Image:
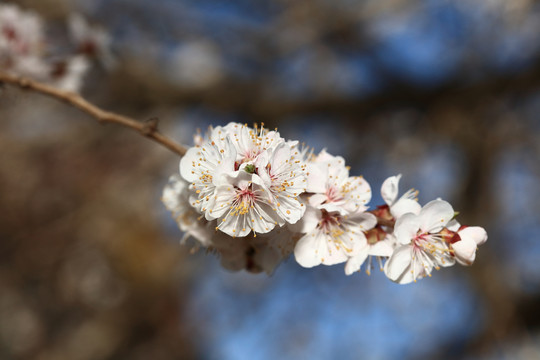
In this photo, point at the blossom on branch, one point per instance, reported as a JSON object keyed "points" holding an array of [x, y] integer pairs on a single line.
{"points": [[408, 202], [334, 227], [465, 240], [176, 199], [379, 244], [22, 45], [334, 239], [249, 180], [333, 188], [254, 198], [91, 41], [25, 51], [421, 246], [380, 240]]}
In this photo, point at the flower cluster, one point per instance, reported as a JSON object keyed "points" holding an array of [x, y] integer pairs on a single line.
{"points": [[24, 50], [239, 189], [255, 198]]}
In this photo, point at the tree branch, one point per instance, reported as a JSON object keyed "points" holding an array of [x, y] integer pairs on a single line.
{"points": [[147, 129]]}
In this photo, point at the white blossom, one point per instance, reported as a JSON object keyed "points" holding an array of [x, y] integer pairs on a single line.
{"points": [[202, 166], [248, 179], [375, 247], [91, 41], [334, 238], [253, 198], [407, 203], [21, 42], [68, 74], [253, 253], [25, 52], [421, 246], [242, 204], [176, 199], [250, 143], [278, 163], [335, 223], [284, 175], [333, 188], [380, 240], [468, 239]]}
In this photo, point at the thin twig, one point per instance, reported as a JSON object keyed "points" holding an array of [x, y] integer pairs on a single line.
{"points": [[147, 129]]}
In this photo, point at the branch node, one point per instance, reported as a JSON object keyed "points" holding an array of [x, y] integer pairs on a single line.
{"points": [[150, 126]]}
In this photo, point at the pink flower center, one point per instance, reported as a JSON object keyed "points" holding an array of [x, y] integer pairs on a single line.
{"points": [[251, 154], [246, 194], [243, 202], [333, 195], [419, 239], [329, 221], [88, 47], [10, 33], [12, 36]]}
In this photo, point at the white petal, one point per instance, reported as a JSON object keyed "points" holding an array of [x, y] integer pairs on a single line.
{"points": [[453, 225], [435, 215], [174, 194], [308, 222], [389, 189], [356, 192], [406, 228], [334, 256], [324, 156], [223, 197], [204, 167], [403, 206], [199, 230], [288, 181], [317, 199], [281, 155], [317, 178], [398, 266], [289, 209], [356, 241], [331, 207], [465, 251], [475, 233], [264, 218], [317, 248], [337, 171], [186, 168], [406, 266], [311, 249], [362, 220], [225, 165], [354, 263], [381, 248], [260, 163], [233, 225]]}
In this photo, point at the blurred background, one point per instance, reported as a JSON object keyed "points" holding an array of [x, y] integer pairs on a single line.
{"points": [[445, 92]]}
